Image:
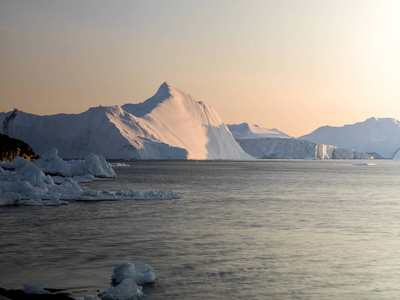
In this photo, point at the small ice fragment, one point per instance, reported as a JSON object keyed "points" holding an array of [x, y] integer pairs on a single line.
{"points": [[35, 288], [127, 289]]}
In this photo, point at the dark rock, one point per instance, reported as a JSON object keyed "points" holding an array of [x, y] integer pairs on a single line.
{"points": [[20, 295], [11, 148]]}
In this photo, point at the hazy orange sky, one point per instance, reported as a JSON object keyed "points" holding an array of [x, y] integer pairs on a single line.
{"points": [[292, 65]]}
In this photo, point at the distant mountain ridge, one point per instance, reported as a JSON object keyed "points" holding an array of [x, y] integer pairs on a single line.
{"points": [[169, 125], [379, 135]]}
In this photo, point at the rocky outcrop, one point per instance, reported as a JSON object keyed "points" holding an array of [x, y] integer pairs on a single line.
{"points": [[10, 148]]}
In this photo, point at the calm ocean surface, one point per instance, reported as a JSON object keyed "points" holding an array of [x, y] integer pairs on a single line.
{"points": [[265, 229]]}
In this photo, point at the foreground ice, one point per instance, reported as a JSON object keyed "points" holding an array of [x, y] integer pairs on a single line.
{"points": [[127, 283], [35, 288], [127, 289], [27, 184], [93, 164], [141, 275]]}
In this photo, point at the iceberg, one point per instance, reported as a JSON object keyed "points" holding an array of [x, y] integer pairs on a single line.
{"points": [[291, 148], [271, 143], [169, 125]]}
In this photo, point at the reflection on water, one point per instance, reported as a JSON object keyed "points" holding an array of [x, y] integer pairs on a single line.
{"points": [[255, 230]]}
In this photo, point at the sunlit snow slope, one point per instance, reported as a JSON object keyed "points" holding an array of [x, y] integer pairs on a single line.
{"points": [[169, 125], [250, 131], [381, 136], [181, 121]]}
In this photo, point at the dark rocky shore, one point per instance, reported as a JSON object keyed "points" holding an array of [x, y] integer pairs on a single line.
{"points": [[10, 148], [20, 295]]}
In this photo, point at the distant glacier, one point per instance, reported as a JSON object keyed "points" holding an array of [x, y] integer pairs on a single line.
{"points": [[272, 143], [375, 135]]}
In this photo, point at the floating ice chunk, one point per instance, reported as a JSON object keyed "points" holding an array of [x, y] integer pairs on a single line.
{"points": [[119, 165], [87, 297], [127, 289], [364, 164], [35, 288], [54, 201], [95, 165], [28, 185], [141, 275], [51, 163], [147, 195], [9, 198], [80, 179], [31, 173]]}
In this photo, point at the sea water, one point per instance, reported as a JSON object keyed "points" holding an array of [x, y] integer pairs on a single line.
{"points": [[265, 229]]}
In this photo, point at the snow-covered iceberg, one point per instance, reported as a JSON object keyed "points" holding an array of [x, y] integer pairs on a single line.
{"points": [[169, 125], [27, 184], [374, 135]]}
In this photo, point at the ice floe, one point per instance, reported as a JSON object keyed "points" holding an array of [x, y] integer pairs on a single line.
{"points": [[27, 183], [367, 164], [127, 281], [119, 165], [93, 164]]}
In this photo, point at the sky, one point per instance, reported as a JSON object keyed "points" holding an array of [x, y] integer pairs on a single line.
{"points": [[292, 65]]}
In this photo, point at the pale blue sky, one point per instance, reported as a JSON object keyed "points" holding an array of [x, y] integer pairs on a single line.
{"points": [[293, 65]]}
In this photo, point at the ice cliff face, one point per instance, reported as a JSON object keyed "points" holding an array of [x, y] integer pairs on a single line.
{"points": [[169, 125], [272, 143], [291, 148], [381, 136]]}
